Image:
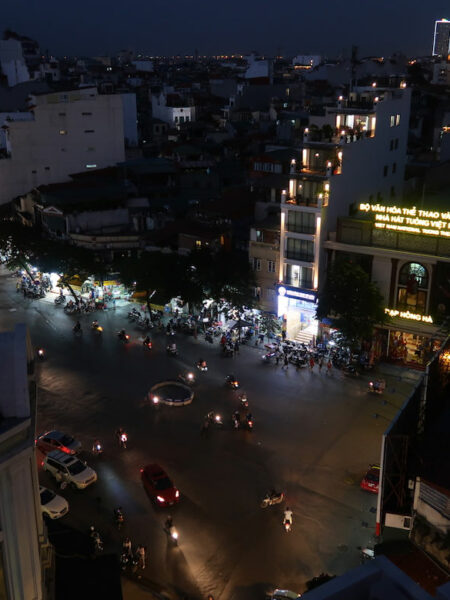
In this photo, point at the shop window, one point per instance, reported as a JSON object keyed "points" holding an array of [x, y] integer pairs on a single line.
{"points": [[412, 288]]}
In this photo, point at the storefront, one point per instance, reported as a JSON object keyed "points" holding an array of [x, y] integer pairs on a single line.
{"points": [[409, 339], [297, 308]]}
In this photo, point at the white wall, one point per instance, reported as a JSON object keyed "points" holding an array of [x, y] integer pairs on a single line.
{"points": [[62, 140], [12, 63], [130, 129]]}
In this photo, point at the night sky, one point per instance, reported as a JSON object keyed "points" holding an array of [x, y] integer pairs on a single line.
{"points": [[328, 27]]}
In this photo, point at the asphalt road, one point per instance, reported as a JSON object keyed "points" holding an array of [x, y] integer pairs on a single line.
{"points": [[314, 437]]}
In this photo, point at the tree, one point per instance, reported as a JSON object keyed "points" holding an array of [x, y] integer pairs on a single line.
{"points": [[270, 325], [353, 301], [19, 245]]}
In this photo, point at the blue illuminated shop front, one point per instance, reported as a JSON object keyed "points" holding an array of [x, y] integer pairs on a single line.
{"points": [[297, 307]]}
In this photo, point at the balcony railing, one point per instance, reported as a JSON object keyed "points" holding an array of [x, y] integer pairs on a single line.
{"points": [[295, 228], [301, 256], [300, 283], [302, 201]]}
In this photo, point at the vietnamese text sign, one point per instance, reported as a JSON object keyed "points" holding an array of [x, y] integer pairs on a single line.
{"points": [[409, 220]]}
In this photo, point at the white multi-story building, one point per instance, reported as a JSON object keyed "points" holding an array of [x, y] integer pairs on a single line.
{"points": [[358, 155], [25, 555], [68, 132], [171, 109]]}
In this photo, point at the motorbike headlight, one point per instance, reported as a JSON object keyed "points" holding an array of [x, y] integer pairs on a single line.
{"points": [[160, 498], [177, 494]]}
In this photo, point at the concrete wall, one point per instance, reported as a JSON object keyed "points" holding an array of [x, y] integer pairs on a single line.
{"points": [[62, 140], [130, 130]]}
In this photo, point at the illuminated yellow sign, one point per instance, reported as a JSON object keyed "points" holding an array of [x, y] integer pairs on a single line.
{"points": [[392, 312], [409, 220]]}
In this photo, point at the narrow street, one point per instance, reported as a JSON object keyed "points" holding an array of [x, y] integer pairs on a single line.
{"points": [[314, 437]]}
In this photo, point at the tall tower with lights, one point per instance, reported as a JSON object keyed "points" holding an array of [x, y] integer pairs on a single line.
{"points": [[441, 38]]}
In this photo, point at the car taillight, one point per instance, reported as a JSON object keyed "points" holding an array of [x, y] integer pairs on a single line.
{"points": [[160, 498], [142, 470]]}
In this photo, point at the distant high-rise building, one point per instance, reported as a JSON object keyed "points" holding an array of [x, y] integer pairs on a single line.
{"points": [[441, 38]]}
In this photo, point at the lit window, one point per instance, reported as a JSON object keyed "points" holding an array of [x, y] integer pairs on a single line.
{"points": [[392, 121], [91, 166], [198, 243], [63, 132], [397, 120]]}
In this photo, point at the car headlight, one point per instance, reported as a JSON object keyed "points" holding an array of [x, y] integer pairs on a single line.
{"points": [[160, 498], [177, 494]]}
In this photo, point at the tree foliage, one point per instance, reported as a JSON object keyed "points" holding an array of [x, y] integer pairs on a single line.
{"points": [[352, 300]]}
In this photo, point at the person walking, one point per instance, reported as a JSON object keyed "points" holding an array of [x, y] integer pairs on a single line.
{"points": [[285, 362], [320, 363], [236, 347], [329, 365], [126, 547], [311, 364], [283, 335], [277, 357], [140, 555]]}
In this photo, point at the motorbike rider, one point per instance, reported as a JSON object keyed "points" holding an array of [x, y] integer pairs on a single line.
{"points": [[96, 447], [77, 326], [287, 516], [118, 515], [236, 419], [121, 437], [201, 364], [122, 334], [95, 324], [147, 341]]}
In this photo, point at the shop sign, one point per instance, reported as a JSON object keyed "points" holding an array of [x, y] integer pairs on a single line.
{"points": [[408, 315], [290, 293], [409, 220]]}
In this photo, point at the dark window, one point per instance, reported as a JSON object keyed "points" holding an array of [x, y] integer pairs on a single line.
{"points": [[396, 143], [86, 114], [62, 114], [88, 131], [392, 191], [34, 172], [391, 146], [301, 222], [394, 168], [385, 171], [47, 168], [371, 198], [300, 249]]}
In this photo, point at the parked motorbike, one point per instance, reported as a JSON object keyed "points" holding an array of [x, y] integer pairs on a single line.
{"points": [[60, 300], [272, 498]]}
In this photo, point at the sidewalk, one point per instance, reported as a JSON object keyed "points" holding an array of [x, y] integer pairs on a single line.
{"points": [[141, 590]]}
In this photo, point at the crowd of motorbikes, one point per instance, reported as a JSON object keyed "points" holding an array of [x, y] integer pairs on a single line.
{"points": [[33, 288]]}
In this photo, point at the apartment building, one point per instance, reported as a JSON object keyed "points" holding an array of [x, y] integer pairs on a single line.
{"points": [[65, 132], [264, 254], [25, 554], [355, 152], [172, 108]]}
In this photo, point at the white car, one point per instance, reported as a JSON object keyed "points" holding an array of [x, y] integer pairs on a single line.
{"points": [[52, 505], [284, 595], [68, 469]]}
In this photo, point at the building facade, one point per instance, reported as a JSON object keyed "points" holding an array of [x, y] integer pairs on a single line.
{"points": [[264, 254], [406, 251], [69, 132], [25, 554], [358, 154]]}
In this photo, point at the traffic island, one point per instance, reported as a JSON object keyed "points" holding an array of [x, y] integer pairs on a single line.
{"points": [[172, 393]]}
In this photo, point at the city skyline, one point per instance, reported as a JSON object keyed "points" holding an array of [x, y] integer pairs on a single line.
{"points": [[215, 28]]}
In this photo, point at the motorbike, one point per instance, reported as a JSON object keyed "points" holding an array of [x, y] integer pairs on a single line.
{"points": [[77, 330], [248, 423], [169, 528], [232, 382], [188, 378], [97, 328], [287, 520], [228, 351], [202, 366], [147, 344], [236, 419], [350, 370], [156, 401], [134, 314], [268, 357], [172, 350], [60, 300], [96, 539], [215, 419], [124, 337], [209, 338], [122, 439], [243, 401], [270, 499], [377, 386], [97, 448], [119, 518], [41, 353]]}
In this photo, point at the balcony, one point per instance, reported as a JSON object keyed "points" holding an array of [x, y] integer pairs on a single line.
{"points": [[305, 284], [300, 200], [300, 256], [294, 228]]}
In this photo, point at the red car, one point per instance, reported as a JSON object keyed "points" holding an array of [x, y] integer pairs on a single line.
{"points": [[371, 480], [158, 485], [56, 440]]}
